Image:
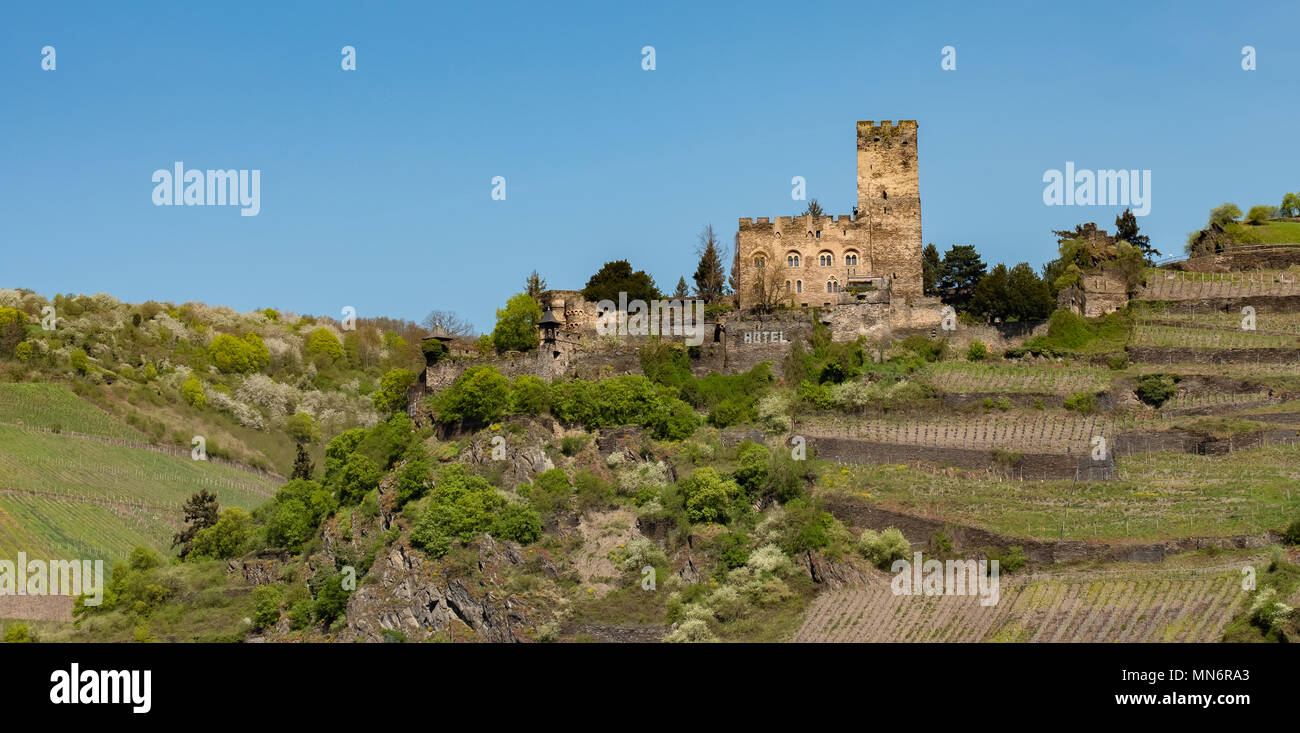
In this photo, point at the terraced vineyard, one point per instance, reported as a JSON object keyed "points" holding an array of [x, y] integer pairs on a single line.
{"points": [[1044, 431], [55, 407], [1147, 334], [959, 377], [79, 497], [1128, 606], [1177, 285]]}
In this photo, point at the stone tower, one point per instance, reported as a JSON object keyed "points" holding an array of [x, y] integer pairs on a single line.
{"points": [[889, 199], [824, 261]]}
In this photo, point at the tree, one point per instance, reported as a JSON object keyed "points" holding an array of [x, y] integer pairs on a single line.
{"points": [[989, 299], [681, 292], [192, 392], [13, 329], [301, 427], [1126, 229], [959, 273], [1259, 215], [449, 322], [302, 465], [391, 395], [201, 511], [232, 354], [1032, 298], [930, 264], [1290, 205], [225, 539], [710, 281], [534, 285], [321, 343], [479, 394], [1225, 214], [733, 279], [516, 328], [617, 277], [814, 208]]}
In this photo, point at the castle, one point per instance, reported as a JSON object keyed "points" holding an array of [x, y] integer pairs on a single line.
{"points": [[821, 261]]}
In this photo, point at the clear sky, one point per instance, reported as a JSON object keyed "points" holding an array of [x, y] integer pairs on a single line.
{"points": [[376, 183]]}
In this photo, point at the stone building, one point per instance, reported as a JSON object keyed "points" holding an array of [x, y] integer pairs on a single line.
{"points": [[821, 261]]}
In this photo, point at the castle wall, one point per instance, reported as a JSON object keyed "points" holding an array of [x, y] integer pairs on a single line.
{"points": [[884, 239]]}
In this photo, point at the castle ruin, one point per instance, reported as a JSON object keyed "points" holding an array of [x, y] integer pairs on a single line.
{"points": [[823, 261]]}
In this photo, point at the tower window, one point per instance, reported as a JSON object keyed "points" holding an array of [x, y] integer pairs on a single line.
{"points": [[826, 259], [792, 260], [819, 234], [798, 286], [851, 259], [759, 262]]}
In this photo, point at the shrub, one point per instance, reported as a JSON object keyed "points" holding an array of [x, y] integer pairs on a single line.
{"points": [[391, 395], [18, 633], [929, 350], [1156, 389], [79, 361], [481, 394], [235, 355], [727, 413], [412, 481], [1084, 402], [752, 473], [977, 351], [884, 548], [572, 445], [300, 614], [518, 523], [301, 428], [1259, 214], [1292, 533], [358, 476], [323, 344], [266, 606], [529, 395], [707, 496], [24, 351], [192, 392], [223, 540], [1225, 214], [461, 506], [1117, 362], [1010, 560]]}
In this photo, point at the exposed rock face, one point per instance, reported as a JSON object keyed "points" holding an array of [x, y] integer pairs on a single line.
{"points": [[824, 571], [409, 598], [260, 570], [524, 457]]}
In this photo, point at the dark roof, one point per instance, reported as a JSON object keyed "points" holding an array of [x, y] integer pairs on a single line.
{"points": [[549, 319], [440, 333]]}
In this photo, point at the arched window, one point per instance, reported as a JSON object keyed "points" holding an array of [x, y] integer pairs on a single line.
{"points": [[760, 261], [825, 259], [787, 286], [851, 259], [792, 259], [798, 286], [832, 286]]}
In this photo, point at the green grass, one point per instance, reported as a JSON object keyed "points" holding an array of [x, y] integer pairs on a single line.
{"points": [[1273, 232], [65, 495], [1156, 496], [55, 407]]}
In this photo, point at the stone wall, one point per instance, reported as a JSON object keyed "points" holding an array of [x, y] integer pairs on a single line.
{"points": [[1095, 295]]}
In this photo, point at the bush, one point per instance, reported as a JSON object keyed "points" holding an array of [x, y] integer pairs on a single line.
{"points": [[1117, 362], [1225, 214], [358, 476], [18, 633], [461, 506], [572, 445], [323, 344], [223, 540], [266, 606], [707, 496], [977, 351], [884, 548], [1084, 402], [481, 395], [529, 396], [391, 395], [300, 614], [412, 481], [1156, 389], [1292, 534], [240, 356], [1260, 214], [1009, 561], [192, 392], [518, 523], [925, 348]]}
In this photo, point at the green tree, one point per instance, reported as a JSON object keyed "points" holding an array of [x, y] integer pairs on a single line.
{"points": [[301, 427], [707, 496], [1126, 229], [360, 474], [1225, 214], [1259, 214], [266, 606], [480, 394], [617, 277], [223, 540], [321, 344], [391, 395], [959, 273], [681, 292], [1290, 205], [930, 266], [516, 328], [79, 361], [1030, 297], [201, 511], [13, 329], [534, 286], [302, 465], [192, 392], [231, 354], [710, 280], [989, 301]]}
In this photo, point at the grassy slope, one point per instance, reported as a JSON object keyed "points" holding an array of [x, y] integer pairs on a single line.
{"points": [[64, 496]]}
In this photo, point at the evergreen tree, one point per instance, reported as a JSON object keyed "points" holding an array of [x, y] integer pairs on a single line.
{"points": [[681, 292], [1126, 229], [201, 512], [710, 280], [1029, 296], [814, 208], [616, 277], [534, 285], [302, 465], [959, 273], [930, 264]]}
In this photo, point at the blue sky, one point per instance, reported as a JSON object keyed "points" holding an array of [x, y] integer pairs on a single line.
{"points": [[376, 183]]}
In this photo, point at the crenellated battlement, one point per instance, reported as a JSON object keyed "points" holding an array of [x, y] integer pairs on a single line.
{"points": [[792, 223]]}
